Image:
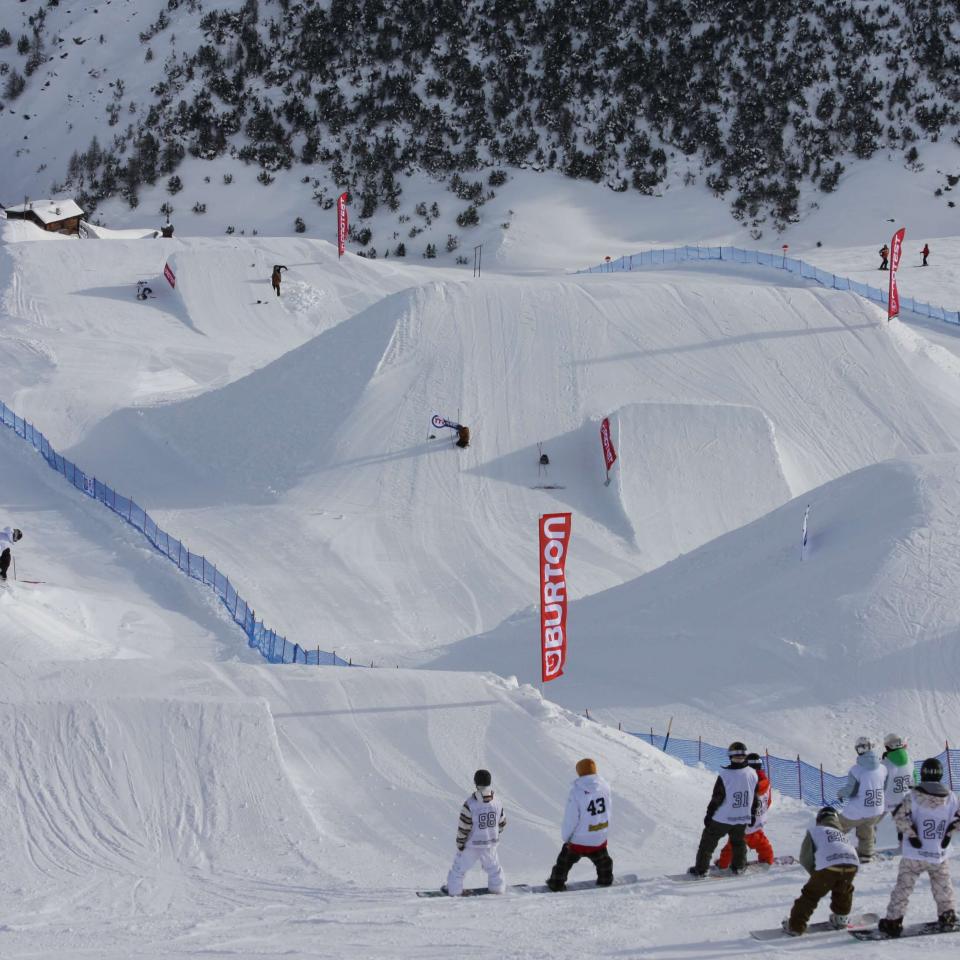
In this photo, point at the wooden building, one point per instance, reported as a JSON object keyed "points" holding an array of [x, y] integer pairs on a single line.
{"points": [[57, 216]]}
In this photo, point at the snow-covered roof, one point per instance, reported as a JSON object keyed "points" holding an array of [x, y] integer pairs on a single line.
{"points": [[49, 211]]}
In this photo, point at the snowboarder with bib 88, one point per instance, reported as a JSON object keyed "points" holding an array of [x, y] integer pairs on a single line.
{"points": [[733, 807], [8, 537], [481, 822], [832, 863], [754, 836], [901, 775], [928, 818], [864, 796], [586, 821]]}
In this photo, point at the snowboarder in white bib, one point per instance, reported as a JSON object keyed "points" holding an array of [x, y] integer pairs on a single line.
{"points": [[8, 537], [481, 822], [733, 807], [928, 818], [586, 821], [832, 863], [901, 775], [864, 798]]}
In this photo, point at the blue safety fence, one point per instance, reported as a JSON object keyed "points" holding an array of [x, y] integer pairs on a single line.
{"points": [[793, 778], [272, 646], [652, 258]]}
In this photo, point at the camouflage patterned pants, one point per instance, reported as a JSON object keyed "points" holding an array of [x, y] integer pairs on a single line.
{"points": [[910, 871]]}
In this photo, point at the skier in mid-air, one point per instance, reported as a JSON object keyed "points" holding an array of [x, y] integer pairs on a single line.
{"points": [[733, 807], [481, 822]]}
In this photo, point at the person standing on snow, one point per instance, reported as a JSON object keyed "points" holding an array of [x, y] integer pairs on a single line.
{"points": [[275, 277], [832, 863], [884, 257], [901, 775], [754, 836], [733, 807], [8, 537], [925, 252], [928, 818], [864, 796], [481, 822], [586, 821]]}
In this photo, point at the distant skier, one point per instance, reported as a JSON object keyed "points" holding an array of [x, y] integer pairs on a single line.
{"points": [[754, 836], [928, 818], [275, 277], [733, 807], [481, 822], [925, 252], [832, 863], [586, 821], [864, 798], [900, 772], [463, 436], [8, 537], [884, 257]]}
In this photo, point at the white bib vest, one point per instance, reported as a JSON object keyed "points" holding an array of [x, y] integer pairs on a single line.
{"points": [[762, 810], [486, 821], [869, 801], [899, 782], [832, 848], [739, 787], [931, 825]]}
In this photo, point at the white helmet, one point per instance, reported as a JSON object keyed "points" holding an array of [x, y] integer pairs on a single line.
{"points": [[863, 745], [893, 741]]}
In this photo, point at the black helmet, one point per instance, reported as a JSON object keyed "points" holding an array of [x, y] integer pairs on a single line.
{"points": [[737, 749], [827, 814], [931, 770], [17, 534], [754, 760], [482, 778]]}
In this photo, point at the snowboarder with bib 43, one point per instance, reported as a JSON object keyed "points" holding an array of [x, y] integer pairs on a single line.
{"points": [[481, 822], [928, 818], [864, 796], [733, 807], [832, 863], [586, 821], [8, 537], [754, 836]]}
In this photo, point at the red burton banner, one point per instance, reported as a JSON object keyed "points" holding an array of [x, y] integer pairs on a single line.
{"points": [[341, 224], [893, 296], [609, 453], [554, 540], [169, 274]]}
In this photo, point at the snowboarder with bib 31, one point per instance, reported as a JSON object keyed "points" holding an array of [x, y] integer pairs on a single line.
{"points": [[481, 822], [8, 537], [733, 807], [832, 863], [864, 796], [900, 772], [754, 836], [586, 821], [928, 818]]}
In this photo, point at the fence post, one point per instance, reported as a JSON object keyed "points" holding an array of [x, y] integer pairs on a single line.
{"points": [[651, 736], [949, 764], [799, 777], [203, 569], [318, 658], [283, 652], [699, 749], [823, 799]]}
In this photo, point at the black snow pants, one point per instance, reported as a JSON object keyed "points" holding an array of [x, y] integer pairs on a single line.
{"points": [[600, 857], [4, 562]]}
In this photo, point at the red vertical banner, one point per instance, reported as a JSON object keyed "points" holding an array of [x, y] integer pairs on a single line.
{"points": [[170, 275], [893, 296], [609, 453], [341, 224], [554, 542]]}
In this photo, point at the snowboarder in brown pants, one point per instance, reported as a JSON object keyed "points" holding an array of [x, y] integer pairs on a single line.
{"points": [[275, 277]]}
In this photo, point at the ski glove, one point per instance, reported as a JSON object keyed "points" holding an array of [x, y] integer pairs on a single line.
{"points": [[706, 820], [945, 842], [915, 842], [460, 846]]}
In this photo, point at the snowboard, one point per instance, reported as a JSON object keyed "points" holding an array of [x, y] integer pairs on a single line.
{"points": [[715, 873], [856, 921], [620, 881], [913, 930]]}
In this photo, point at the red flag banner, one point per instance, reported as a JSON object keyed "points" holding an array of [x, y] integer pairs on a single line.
{"points": [[554, 541], [893, 296], [609, 453], [170, 275], [341, 224]]}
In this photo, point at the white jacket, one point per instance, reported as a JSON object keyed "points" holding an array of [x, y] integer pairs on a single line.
{"points": [[587, 817], [6, 539]]}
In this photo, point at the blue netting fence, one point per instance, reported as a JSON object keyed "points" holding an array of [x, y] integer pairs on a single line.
{"points": [[275, 648], [650, 258], [791, 777]]}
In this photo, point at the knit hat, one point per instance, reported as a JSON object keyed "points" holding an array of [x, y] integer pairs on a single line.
{"points": [[482, 778], [586, 767]]}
